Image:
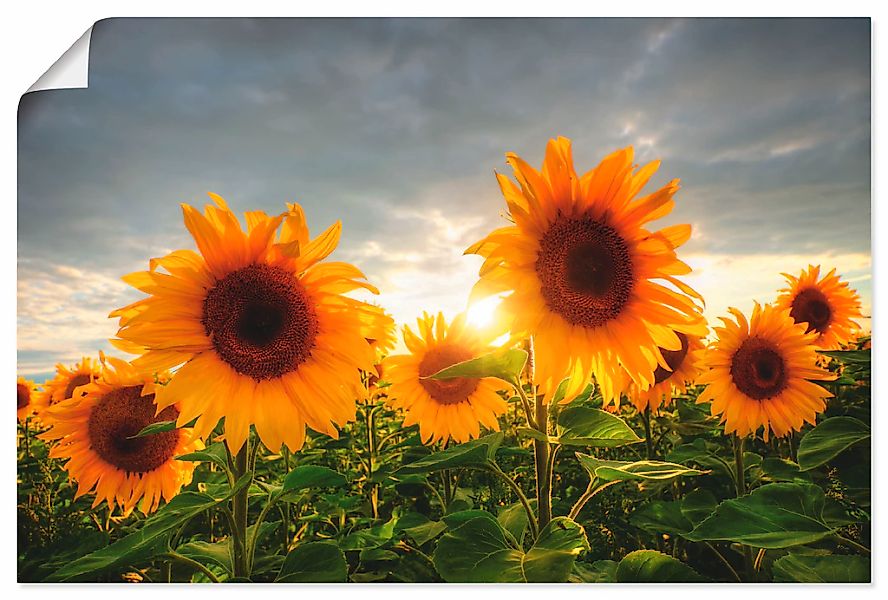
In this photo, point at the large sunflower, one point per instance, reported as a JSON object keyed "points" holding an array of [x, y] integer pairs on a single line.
{"points": [[262, 326], [760, 371], [685, 364], [25, 403], [63, 386], [580, 270], [95, 433], [444, 408], [827, 306]]}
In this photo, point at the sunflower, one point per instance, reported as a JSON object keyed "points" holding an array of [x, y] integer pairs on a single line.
{"points": [[580, 268], [26, 394], [63, 386], [95, 432], [760, 371], [444, 408], [684, 364], [262, 326], [827, 306]]}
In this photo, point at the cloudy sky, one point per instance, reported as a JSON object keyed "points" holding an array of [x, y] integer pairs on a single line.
{"points": [[396, 127]]}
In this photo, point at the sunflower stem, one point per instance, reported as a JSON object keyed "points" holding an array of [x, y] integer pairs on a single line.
{"points": [[531, 519], [740, 483], [371, 451], [541, 450], [648, 442], [240, 506], [285, 510]]}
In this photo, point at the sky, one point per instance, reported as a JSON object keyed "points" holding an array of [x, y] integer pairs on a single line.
{"points": [[396, 127]]}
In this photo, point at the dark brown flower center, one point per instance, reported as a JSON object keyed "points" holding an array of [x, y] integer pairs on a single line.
{"points": [[812, 307], [76, 382], [758, 369], [261, 321], [446, 391], [23, 395], [673, 358], [121, 414], [585, 271]]}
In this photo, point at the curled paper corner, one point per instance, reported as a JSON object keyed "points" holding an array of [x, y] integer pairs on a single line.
{"points": [[71, 70]]}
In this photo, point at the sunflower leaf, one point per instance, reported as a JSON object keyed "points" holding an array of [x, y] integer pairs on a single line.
{"points": [[215, 453], [477, 549], [829, 439], [616, 470], [478, 453], [502, 364], [314, 562], [160, 427], [777, 515], [584, 426], [650, 566], [151, 539], [795, 568], [312, 476]]}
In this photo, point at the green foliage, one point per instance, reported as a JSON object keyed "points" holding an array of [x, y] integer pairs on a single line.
{"points": [[797, 568], [829, 439], [777, 515], [476, 549], [585, 426], [650, 566], [314, 562], [502, 364]]}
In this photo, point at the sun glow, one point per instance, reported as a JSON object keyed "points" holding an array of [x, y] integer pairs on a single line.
{"points": [[481, 314]]}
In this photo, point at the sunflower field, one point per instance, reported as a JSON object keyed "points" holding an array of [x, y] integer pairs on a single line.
{"points": [[272, 427]]}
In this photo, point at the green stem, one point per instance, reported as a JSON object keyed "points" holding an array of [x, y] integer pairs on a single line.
{"points": [[591, 490], [371, 451], [448, 492], [541, 450], [193, 564], [852, 544], [531, 519], [648, 442], [724, 562], [239, 511], [285, 511], [740, 484]]}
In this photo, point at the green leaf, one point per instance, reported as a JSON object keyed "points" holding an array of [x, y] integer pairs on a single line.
{"points": [[215, 453], [660, 517], [503, 364], [781, 469], [777, 515], [601, 571], [160, 427], [698, 505], [479, 452], [373, 537], [218, 553], [702, 453], [797, 568], [513, 518], [616, 470], [584, 426], [314, 562], [849, 357], [829, 439], [478, 550], [312, 476], [151, 539], [650, 566]]}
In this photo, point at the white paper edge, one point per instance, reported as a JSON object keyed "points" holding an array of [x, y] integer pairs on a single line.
{"points": [[71, 70]]}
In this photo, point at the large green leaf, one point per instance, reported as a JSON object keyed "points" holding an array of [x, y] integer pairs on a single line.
{"points": [[214, 453], [312, 476], [660, 517], [478, 550], [797, 568], [829, 439], [372, 537], [698, 505], [616, 470], [585, 426], [849, 357], [314, 562], [703, 453], [478, 452], [513, 518], [601, 571], [160, 427], [151, 539], [503, 364], [650, 566], [777, 515], [218, 553]]}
